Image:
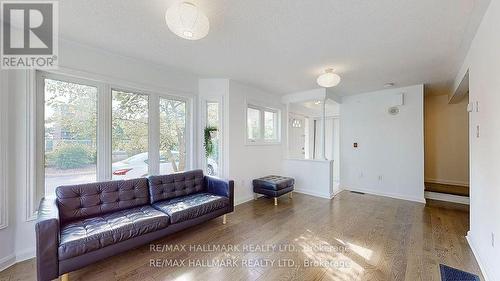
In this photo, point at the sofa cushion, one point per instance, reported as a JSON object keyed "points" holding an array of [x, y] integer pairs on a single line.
{"points": [[86, 235], [93, 199], [175, 185], [191, 206]]}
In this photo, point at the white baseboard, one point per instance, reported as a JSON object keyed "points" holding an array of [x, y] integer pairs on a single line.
{"points": [[450, 182], [12, 259], [7, 261], [447, 197], [315, 194], [339, 190], [25, 255], [390, 195], [242, 200], [298, 190], [482, 266]]}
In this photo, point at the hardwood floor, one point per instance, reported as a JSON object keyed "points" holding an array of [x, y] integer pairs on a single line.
{"points": [[363, 237]]}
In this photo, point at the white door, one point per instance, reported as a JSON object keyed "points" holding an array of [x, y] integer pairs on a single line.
{"points": [[297, 137]]}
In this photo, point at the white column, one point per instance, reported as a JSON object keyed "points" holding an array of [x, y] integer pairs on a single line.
{"points": [[323, 130]]}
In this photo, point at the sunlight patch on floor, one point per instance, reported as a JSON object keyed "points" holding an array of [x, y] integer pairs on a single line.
{"points": [[361, 251], [334, 258], [188, 276]]}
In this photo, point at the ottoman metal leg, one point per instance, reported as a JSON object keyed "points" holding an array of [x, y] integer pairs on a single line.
{"points": [[255, 196], [224, 220], [290, 195], [275, 201], [65, 277]]}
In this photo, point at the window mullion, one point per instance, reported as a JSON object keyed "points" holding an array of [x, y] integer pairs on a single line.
{"points": [[35, 149], [262, 125], [104, 136], [189, 133], [154, 135]]}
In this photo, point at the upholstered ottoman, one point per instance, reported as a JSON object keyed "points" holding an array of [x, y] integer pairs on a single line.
{"points": [[273, 186]]}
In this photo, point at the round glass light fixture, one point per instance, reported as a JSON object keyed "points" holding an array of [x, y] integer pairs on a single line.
{"points": [[186, 20], [328, 79]]}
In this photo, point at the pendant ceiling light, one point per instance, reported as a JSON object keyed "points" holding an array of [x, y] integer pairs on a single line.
{"points": [[186, 20], [328, 79]]}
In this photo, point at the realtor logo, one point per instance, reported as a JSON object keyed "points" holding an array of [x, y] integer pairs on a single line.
{"points": [[29, 34]]}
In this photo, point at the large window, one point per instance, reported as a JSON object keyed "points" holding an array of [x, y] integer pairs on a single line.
{"points": [[88, 131], [262, 125], [130, 135], [253, 124], [271, 125], [70, 134], [172, 136]]}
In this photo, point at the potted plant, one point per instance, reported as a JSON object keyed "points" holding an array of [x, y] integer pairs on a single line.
{"points": [[208, 144]]}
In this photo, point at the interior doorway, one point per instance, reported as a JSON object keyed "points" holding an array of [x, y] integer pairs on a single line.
{"points": [[447, 145]]}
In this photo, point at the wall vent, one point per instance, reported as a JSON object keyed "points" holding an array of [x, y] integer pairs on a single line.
{"points": [[357, 192]]}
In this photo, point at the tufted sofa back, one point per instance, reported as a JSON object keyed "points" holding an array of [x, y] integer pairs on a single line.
{"points": [[175, 185], [93, 199]]}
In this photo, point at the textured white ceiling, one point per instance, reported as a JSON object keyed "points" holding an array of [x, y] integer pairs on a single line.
{"points": [[282, 45]]}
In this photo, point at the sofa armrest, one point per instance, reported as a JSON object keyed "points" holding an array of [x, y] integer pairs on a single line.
{"points": [[47, 239], [222, 188]]}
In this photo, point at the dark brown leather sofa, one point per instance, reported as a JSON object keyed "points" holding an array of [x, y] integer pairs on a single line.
{"points": [[86, 223]]}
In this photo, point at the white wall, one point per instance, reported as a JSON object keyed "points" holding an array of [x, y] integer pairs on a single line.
{"points": [[81, 61], [7, 232], [243, 162], [114, 67], [483, 62], [249, 161], [390, 147], [313, 177]]}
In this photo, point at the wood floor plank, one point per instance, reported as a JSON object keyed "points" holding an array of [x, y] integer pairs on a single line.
{"points": [[352, 237]]}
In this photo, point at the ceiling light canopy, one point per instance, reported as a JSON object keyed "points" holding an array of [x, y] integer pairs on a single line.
{"points": [[186, 20], [328, 79]]}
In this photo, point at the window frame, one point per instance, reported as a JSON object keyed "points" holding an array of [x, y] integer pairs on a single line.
{"points": [[220, 129], [189, 129], [39, 104], [277, 123], [36, 101], [223, 123], [151, 155]]}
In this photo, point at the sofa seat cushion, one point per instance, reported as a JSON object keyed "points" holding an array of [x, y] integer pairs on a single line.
{"points": [[90, 234], [191, 206]]}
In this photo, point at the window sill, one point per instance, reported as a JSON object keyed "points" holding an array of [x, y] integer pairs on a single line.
{"points": [[308, 160], [261, 143]]}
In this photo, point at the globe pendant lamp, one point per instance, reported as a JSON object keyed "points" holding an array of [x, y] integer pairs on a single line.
{"points": [[328, 79], [187, 21]]}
